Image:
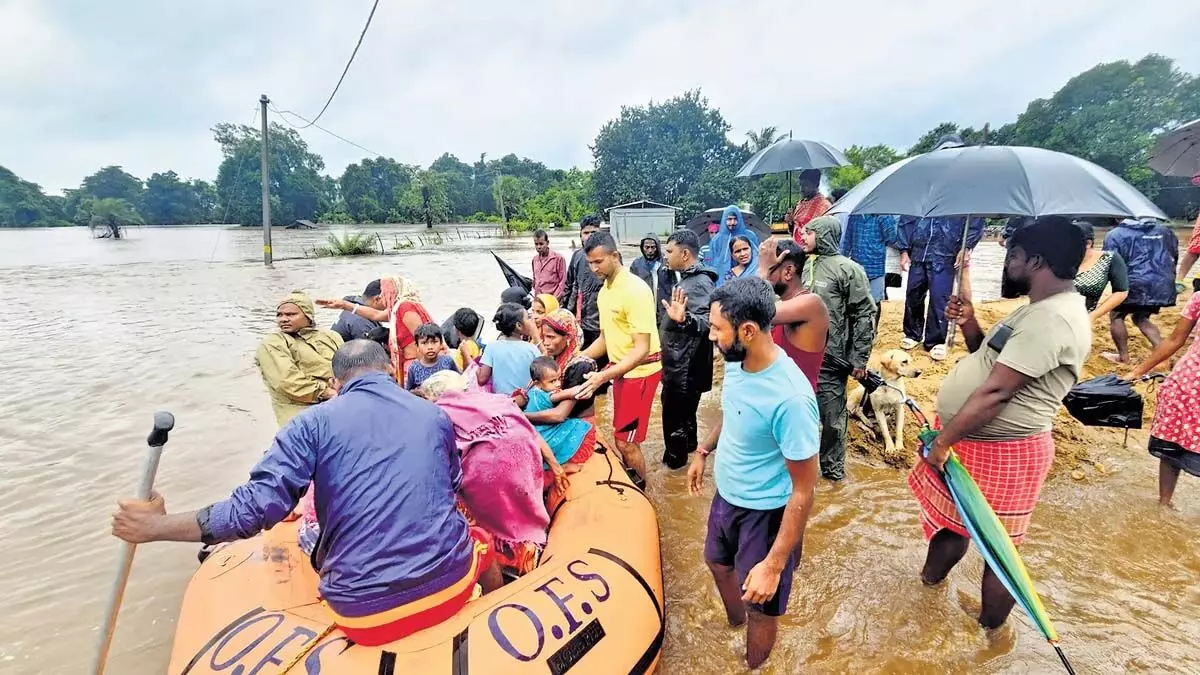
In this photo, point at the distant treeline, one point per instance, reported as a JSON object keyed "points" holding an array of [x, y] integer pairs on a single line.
{"points": [[676, 152]]}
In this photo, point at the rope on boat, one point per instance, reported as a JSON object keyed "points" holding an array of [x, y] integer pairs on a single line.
{"points": [[308, 648]]}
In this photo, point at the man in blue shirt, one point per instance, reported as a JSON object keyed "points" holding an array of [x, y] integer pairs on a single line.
{"points": [[385, 468], [766, 465]]}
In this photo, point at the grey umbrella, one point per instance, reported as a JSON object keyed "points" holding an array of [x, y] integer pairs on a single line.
{"points": [[1178, 153], [996, 180], [792, 155]]}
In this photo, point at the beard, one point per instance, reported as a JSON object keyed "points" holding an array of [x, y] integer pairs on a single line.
{"points": [[736, 352], [1013, 288], [780, 288]]}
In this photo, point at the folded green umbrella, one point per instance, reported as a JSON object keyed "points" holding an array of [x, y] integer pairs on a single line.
{"points": [[991, 538]]}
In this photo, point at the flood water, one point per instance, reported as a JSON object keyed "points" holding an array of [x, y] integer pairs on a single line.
{"points": [[99, 334]]}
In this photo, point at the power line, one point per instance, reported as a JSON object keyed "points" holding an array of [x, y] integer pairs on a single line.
{"points": [[362, 35], [319, 127]]}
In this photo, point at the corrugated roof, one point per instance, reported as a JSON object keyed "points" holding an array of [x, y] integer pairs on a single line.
{"points": [[642, 204]]}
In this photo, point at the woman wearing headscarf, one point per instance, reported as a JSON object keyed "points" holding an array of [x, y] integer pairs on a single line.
{"points": [[743, 258], [392, 301], [501, 489], [295, 362], [560, 341], [543, 304], [720, 258]]}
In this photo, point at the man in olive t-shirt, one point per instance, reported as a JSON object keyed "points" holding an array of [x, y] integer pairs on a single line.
{"points": [[997, 405], [1049, 341]]}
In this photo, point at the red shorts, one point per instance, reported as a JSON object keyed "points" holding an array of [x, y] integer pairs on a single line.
{"points": [[400, 622], [632, 399]]}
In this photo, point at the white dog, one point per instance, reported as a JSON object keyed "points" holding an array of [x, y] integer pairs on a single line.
{"points": [[894, 367]]}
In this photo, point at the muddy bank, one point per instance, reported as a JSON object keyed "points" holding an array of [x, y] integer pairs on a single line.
{"points": [[1081, 451]]}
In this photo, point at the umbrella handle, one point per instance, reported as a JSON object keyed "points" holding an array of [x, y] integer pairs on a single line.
{"points": [[962, 267]]}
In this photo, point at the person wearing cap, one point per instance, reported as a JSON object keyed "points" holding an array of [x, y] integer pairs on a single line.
{"points": [[931, 251], [812, 203], [295, 361]]}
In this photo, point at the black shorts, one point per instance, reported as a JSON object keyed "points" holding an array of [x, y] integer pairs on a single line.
{"points": [[1138, 311], [741, 538]]}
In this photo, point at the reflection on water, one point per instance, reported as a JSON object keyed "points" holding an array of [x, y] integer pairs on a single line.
{"points": [[99, 334]]}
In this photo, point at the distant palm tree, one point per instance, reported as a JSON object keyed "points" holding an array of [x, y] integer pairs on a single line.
{"points": [[763, 138]]}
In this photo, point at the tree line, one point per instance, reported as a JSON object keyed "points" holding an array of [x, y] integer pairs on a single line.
{"points": [[677, 152]]}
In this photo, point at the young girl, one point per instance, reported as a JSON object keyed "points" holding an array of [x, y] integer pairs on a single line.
{"points": [[505, 362], [573, 440], [1175, 436]]}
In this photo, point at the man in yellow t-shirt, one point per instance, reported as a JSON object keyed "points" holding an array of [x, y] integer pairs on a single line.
{"points": [[629, 337]]}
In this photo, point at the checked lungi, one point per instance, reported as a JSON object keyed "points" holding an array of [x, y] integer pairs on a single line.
{"points": [[1009, 473]]}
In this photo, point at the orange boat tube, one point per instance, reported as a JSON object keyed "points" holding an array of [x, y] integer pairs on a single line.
{"points": [[594, 605]]}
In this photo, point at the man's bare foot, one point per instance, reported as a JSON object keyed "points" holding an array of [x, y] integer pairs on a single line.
{"points": [[1114, 357]]}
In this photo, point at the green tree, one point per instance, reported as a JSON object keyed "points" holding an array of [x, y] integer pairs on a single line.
{"points": [[170, 201], [567, 200], [513, 192], [23, 204], [298, 190], [1111, 114], [424, 200], [660, 150], [108, 216], [460, 184], [112, 182], [369, 188], [864, 161]]}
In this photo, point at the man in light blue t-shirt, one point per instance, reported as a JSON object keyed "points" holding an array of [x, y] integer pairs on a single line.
{"points": [[766, 464]]}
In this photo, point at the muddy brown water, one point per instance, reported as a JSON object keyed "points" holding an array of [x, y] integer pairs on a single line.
{"points": [[99, 334]]}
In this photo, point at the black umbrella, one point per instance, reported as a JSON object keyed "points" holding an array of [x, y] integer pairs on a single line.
{"points": [[514, 278], [995, 180], [1177, 153], [792, 155], [700, 224]]}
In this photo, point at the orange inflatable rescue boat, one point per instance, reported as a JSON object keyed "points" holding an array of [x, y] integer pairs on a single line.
{"points": [[594, 605]]}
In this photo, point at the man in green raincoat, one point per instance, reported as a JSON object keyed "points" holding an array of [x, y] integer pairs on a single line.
{"points": [[295, 362], [843, 285]]}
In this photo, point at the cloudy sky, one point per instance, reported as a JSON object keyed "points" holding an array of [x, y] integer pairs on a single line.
{"points": [[140, 83]]}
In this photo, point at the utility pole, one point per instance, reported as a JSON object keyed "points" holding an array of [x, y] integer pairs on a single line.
{"points": [[266, 186], [500, 196]]}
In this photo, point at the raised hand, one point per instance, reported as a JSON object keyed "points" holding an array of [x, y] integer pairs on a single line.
{"points": [[677, 307]]}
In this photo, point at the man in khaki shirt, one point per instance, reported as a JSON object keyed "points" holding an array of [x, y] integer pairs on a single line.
{"points": [[997, 404]]}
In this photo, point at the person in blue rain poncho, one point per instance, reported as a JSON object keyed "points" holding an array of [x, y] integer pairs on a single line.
{"points": [[719, 258]]}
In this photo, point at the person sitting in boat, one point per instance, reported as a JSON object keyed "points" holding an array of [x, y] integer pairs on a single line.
{"points": [[395, 556], [502, 457], [294, 362], [505, 362], [572, 440], [560, 341], [393, 302]]}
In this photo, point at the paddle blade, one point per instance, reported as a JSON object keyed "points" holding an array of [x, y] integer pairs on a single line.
{"points": [[994, 544]]}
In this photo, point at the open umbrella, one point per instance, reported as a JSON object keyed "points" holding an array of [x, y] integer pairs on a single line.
{"points": [[1177, 153], [514, 278], [700, 224], [788, 155], [995, 180], [991, 538], [792, 155]]}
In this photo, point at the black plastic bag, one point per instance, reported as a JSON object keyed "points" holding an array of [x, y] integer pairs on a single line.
{"points": [[1105, 401]]}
